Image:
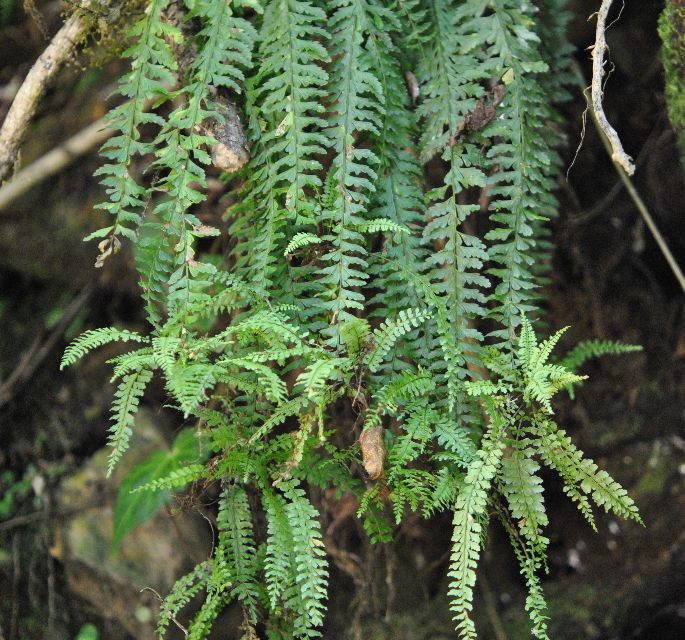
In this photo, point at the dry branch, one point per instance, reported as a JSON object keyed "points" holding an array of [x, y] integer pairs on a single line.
{"points": [[630, 187], [54, 161], [43, 72], [618, 154]]}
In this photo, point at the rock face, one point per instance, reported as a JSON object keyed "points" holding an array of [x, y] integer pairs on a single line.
{"points": [[153, 555]]}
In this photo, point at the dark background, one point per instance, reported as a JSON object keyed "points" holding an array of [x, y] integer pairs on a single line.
{"points": [[609, 282]]}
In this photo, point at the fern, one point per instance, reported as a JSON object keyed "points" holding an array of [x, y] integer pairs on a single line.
{"points": [[175, 478], [183, 591], [309, 562], [234, 563], [468, 528], [522, 487], [124, 407], [314, 379], [455, 269], [397, 202], [289, 88], [521, 158], [389, 332], [278, 572], [556, 447], [152, 73], [587, 349], [358, 97], [300, 240], [357, 292], [180, 157], [94, 338]]}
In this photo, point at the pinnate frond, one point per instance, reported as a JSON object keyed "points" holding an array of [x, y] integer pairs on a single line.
{"points": [[94, 338]]}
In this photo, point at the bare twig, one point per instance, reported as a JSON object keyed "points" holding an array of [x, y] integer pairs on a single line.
{"points": [[634, 195], [40, 349], [601, 205], [618, 155], [54, 161], [43, 72]]}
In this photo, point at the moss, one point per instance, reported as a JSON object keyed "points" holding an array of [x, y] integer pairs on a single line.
{"points": [[672, 33]]}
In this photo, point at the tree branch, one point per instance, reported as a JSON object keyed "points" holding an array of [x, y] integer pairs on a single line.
{"points": [[618, 155], [25, 104], [55, 161]]}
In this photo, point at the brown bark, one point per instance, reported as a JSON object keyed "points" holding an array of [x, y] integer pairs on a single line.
{"points": [[43, 72]]}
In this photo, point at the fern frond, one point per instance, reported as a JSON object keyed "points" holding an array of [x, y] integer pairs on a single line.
{"points": [[94, 338], [300, 240], [413, 488], [287, 95], [235, 564], [278, 569], [557, 449], [528, 344], [455, 270], [398, 198], [522, 488], [270, 326], [155, 263], [587, 349], [124, 407], [355, 335], [271, 385], [454, 439], [152, 73], [189, 382], [280, 414], [183, 591], [545, 349], [291, 79], [468, 529], [404, 387], [357, 96], [417, 432], [132, 361], [176, 478], [313, 380], [521, 161], [536, 605], [309, 560], [204, 619], [383, 225], [544, 382], [390, 331], [220, 62], [541, 381]]}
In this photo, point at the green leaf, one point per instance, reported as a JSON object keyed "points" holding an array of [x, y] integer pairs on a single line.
{"points": [[133, 508]]}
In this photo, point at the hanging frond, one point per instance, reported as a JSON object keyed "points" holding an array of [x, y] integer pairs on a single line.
{"points": [[151, 76], [468, 530], [309, 561], [124, 407]]}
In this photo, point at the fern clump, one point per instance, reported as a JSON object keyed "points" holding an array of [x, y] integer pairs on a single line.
{"points": [[367, 330]]}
